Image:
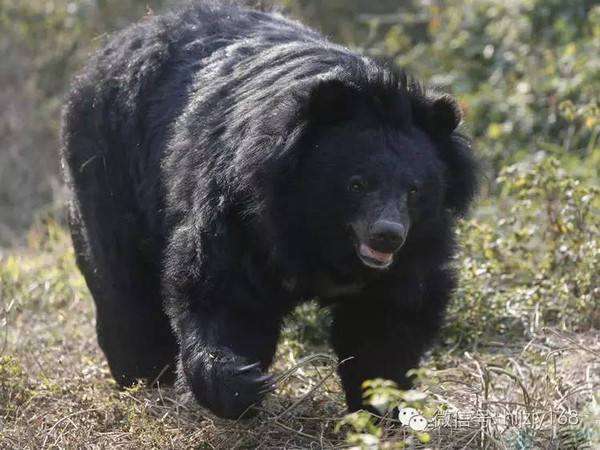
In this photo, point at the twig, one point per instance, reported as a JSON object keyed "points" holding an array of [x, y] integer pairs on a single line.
{"points": [[78, 413], [161, 373], [572, 341], [515, 378], [285, 374], [305, 396], [300, 433]]}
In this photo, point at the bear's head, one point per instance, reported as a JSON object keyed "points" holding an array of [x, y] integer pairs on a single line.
{"points": [[370, 189], [369, 169], [376, 171]]}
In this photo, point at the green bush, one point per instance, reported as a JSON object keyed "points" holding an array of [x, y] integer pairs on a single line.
{"points": [[532, 256], [527, 72]]}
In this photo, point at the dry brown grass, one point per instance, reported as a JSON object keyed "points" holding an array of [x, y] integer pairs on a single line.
{"points": [[56, 392]]}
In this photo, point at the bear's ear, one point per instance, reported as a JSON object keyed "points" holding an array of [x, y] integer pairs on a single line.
{"points": [[331, 102], [444, 116]]}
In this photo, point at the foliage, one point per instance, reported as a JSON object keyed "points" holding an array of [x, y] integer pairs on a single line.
{"points": [[536, 264], [13, 386], [366, 430], [526, 72], [341, 18], [42, 44]]}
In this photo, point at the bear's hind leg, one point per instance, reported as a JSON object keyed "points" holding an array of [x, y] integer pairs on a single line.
{"points": [[133, 331], [137, 342]]}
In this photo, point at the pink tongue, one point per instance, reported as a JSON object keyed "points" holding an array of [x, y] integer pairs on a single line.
{"points": [[379, 256]]}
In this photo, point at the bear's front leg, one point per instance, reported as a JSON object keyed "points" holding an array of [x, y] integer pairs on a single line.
{"points": [[227, 342], [224, 359], [384, 332]]}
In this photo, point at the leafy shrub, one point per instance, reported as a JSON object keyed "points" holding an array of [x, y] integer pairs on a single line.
{"points": [[525, 71], [532, 257]]}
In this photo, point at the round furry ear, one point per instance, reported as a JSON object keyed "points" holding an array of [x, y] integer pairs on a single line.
{"points": [[445, 115], [331, 101]]}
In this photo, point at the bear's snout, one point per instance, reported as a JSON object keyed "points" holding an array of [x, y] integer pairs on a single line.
{"points": [[386, 236]]}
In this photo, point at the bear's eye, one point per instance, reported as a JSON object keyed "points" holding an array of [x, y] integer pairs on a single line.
{"points": [[412, 191], [357, 184]]}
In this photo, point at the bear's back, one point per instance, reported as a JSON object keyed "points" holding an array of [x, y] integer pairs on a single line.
{"points": [[135, 87]]}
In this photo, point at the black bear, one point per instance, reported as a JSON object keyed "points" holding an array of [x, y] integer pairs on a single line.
{"points": [[227, 164]]}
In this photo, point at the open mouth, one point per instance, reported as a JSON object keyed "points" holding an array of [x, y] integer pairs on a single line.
{"points": [[374, 258]]}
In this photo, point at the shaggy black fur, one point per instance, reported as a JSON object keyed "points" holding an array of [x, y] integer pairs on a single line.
{"points": [[227, 164]]}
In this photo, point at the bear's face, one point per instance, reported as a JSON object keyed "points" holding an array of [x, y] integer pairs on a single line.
{"points": [[367, 192]]}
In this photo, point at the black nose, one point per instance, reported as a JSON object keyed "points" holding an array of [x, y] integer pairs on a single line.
{"points": [[387, 236]]}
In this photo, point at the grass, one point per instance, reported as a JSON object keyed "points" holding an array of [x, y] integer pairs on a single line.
{"points": [[520, 353], [56, 391]]}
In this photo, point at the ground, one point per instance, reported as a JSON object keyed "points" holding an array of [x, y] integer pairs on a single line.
{"points": [[56, 391]]}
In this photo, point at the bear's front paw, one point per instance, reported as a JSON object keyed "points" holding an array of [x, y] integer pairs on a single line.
{"points": [[246, 387], [233, 388]]}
